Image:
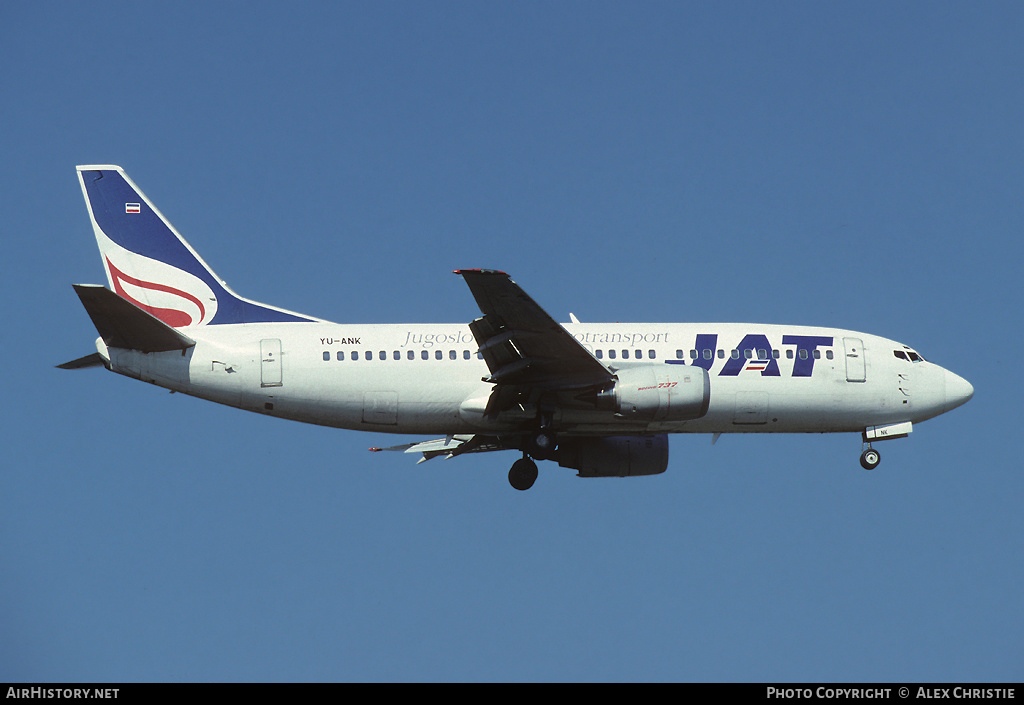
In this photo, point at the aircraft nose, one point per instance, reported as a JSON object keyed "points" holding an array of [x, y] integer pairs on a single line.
{"points": [[958, 390]]}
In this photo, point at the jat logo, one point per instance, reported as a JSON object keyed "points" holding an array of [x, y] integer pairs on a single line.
{"points": [[188, 303], [761, 359]]}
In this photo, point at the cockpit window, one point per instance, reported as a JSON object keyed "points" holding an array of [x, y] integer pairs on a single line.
{"points": [[908, 354]]}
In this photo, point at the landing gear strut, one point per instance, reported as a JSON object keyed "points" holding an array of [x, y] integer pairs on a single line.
{"points": [[538, 446], [542, 445], [523, 473]]}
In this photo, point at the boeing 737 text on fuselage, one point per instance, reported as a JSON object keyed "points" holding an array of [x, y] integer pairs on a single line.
{"points": [[600, 398]]}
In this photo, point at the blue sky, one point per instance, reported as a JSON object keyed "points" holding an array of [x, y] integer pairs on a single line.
{"points": [[856, 165]]}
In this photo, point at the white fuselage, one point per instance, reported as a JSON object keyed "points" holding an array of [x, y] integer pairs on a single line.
{"points": [[421, 378]]}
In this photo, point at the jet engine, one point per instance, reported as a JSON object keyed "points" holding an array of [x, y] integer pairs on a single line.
{"points": [[614, 456], [659, 393]]}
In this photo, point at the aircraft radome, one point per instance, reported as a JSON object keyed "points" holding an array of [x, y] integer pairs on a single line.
{"points": [[600, 398]]}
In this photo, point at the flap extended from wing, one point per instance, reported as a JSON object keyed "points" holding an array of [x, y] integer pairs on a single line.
{"points": [[523, 345], [121, 324], [449, 446]]}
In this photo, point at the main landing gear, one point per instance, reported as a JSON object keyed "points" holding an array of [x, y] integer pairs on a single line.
{"points": [[523, 473], [540, 446]]}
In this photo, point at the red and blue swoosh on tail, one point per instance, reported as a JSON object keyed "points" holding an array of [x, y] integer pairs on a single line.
{"points": [[125, 217], [175, 317]]}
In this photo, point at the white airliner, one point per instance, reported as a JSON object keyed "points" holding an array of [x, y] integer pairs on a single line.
{"points": [[599, 398]]}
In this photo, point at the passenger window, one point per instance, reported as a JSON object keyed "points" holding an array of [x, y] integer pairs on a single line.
{"points": [[721, 354], [734, 354], [789, 354], [693, 354], [410, 355], [611, 354], [438, 355], [707, 353], [383, 355], [625, 354], [355, 354], [424, 355], [775, 354], [817, 354], [369, 354], [802, 354], [340, 355], [327, 355], [599, 354], [679, 354], [465, 354], [397, 355], [650, 354], [828, 354], [452, 355], [762, 354]]}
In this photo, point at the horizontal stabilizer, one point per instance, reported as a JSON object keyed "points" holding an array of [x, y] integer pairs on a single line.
{"points": [[121, 324], [93, 360]]}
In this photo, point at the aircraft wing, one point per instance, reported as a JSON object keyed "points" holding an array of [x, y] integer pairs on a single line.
{"points": [[523, 346]]}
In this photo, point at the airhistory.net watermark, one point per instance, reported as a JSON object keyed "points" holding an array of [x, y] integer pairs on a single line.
{"points": [[61, 693]]}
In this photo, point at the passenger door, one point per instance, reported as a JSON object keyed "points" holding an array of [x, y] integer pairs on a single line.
{"points": [[855, 367], [270, 362]]}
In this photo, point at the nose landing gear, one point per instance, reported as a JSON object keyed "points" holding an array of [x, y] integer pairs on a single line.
{"points": [[870, 458]]}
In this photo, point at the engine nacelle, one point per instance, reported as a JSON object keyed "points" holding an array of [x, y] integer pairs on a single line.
{"points": [[659, 393], [614, 456]]}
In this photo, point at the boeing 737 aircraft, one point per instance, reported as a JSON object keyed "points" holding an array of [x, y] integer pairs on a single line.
{"points": [[600, 398]]}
